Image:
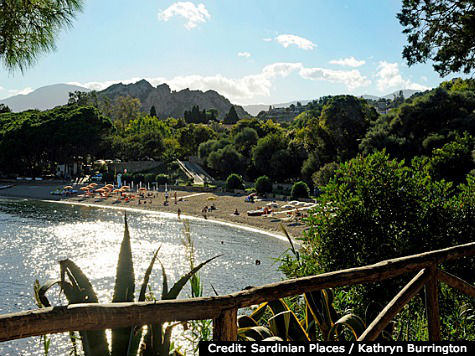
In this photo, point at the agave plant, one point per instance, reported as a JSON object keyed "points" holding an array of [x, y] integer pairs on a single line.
{"points": [[320, 318], [124, 341]]}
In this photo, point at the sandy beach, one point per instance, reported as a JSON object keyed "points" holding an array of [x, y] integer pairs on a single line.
{"points": [[189, 203]]}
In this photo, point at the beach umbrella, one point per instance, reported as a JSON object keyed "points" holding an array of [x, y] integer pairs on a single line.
{"points": [[84, 188], [68, 187], [125, 187], [100, 190], [212, 198], [93, 184]]}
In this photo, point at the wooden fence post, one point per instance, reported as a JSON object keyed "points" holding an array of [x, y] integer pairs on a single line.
{"points": [[432, 304], [225, 326]]}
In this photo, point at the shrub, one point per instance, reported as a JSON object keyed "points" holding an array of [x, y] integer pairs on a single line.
{"points": [[138, 177], [378, 208], [149, 178], [263, 185], [127, 177], [323, 176], [107, 177], [234, 181], [299, 190], [161, 179]]}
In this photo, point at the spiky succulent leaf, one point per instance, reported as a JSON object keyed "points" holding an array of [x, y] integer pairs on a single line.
{"points": [[178, 286], [254, 333], [79, 290], [350, 321], [136, 332], [285, 322], [245, 321], [259, 312], [123, 292]]}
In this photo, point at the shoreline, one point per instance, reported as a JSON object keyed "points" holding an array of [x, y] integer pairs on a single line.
{"points": [[191, 207]]}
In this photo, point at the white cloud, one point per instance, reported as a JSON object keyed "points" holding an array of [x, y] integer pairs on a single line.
{"points": [[24, 91], [348, 62], [351, 79], [267, 39], [194, 14], [300, 42], [244, 54], [281, 69], [389, 77], [250, 86]]}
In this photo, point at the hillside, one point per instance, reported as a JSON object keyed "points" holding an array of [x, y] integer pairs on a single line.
{"points": [[43, 98], [172, 103]]}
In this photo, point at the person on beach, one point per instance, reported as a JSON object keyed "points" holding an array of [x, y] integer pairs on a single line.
{"points": [[174, 195], [178, 213], [236, 212], [204, 211]]}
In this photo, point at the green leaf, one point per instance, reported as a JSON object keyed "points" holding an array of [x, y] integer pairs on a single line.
{"points": [[245, 321], [178, 286], [285, 322], [165, 282], [123, 292], [136, 332], [80, 290], [351, 321], [254, 333]]}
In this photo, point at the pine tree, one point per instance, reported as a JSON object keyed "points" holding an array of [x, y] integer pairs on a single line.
{"points": [[231, 117], [153, 111]]}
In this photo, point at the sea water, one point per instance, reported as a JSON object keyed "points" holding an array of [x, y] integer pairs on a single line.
{"points": [[35, 235]]}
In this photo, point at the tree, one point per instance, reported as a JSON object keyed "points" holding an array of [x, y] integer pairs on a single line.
{"points": [[226, 161], [441, 31], [378, 208], [29, 28], [4, 109], [453, 161], [423, 123], [264, 150], [299, 190], [263, 185], [245, 140], [231, 117], [234, 181], [153, 111]]}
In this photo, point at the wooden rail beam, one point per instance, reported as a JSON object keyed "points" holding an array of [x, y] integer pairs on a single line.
{"points": [[225, 326], [432, 304], [457, 283], [395, 306], [116, 315]]}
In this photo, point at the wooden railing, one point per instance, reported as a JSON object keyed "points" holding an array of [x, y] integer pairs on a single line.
{"points": [[223, 309]]}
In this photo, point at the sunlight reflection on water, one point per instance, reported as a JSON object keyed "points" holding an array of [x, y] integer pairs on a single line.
{"points": [[35, 235]]}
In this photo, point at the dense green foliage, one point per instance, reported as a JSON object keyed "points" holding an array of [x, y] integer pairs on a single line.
{"points": [[378, 208], [332, 130], [33, 141], [442, 31], [299, 190], [423, 123], [263, 185], [28, 28], [234, 181]]}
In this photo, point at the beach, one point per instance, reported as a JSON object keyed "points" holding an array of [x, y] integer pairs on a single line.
{"points": [[189, 203]]}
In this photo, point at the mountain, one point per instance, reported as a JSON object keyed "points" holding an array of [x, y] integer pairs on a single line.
{"points": [[406, 92], [172, 103], [43, 98]]}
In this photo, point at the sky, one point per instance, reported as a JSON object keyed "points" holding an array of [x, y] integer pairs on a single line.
{"points": [[251, 51]]}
